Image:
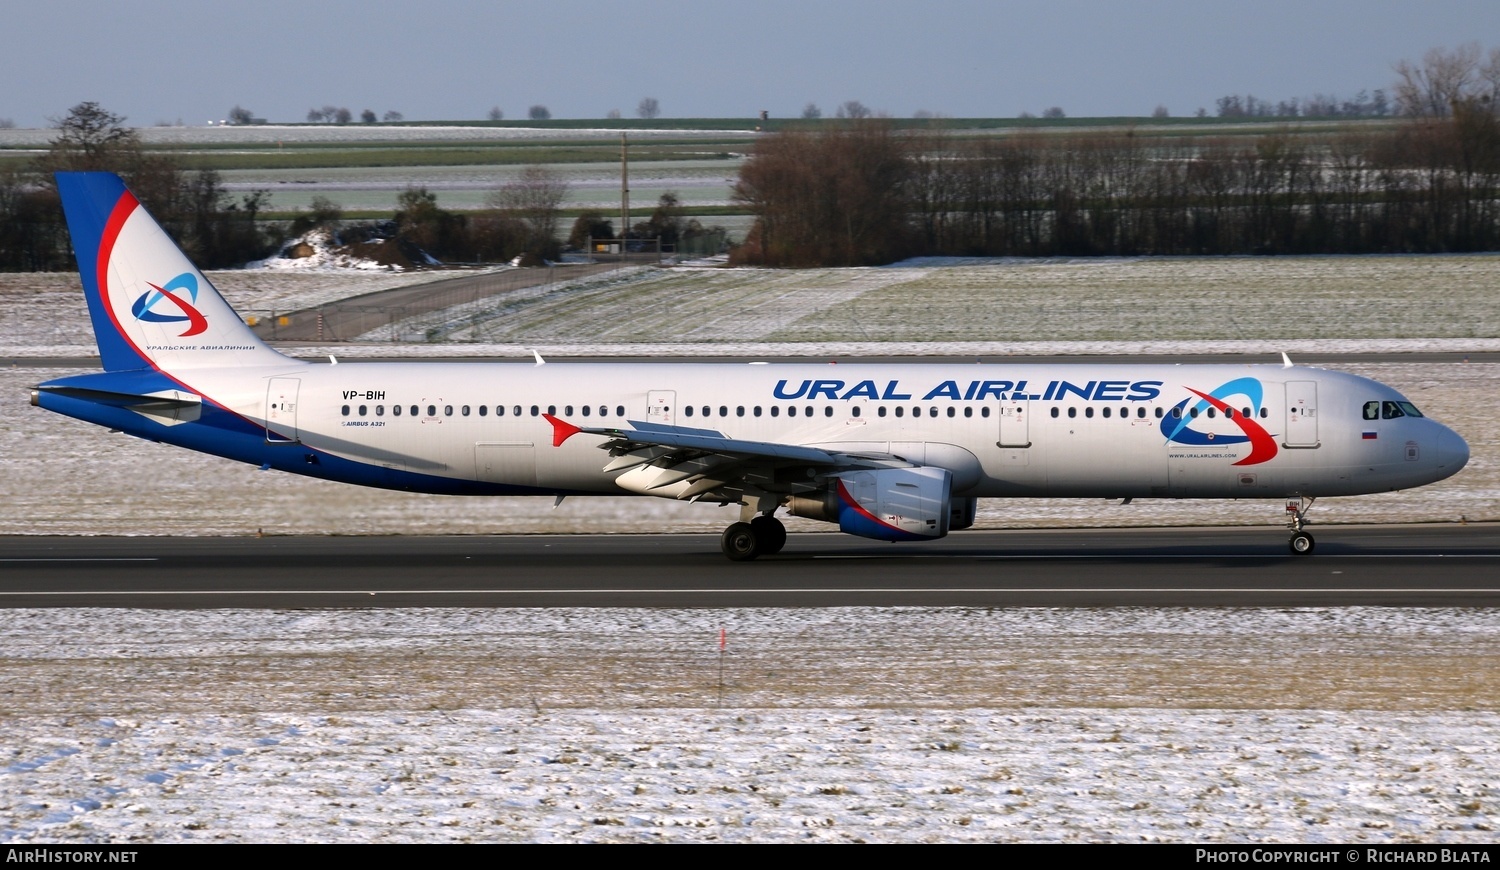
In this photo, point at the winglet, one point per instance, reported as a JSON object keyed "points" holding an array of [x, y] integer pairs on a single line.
{"points": [[562, 430], [1286, 361]]}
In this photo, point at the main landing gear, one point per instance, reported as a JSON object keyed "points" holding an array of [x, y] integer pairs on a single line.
{"points": [[1301, 543], [762, 536]]}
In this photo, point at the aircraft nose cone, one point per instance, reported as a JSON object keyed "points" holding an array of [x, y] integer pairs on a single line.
{"points": [[1452, 451]]}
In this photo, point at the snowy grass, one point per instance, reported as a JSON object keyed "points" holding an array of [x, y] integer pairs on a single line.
{"points": [[1343, 725], [1225, 302]]}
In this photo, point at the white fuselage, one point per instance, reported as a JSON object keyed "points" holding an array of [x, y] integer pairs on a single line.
{"points": [[1003, 430]]}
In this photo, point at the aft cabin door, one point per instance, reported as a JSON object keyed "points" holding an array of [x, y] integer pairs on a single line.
{"points": [[1301, 414], [281, 411]]}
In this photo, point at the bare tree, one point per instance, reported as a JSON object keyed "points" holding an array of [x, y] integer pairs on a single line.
{"points": [[343, 116], [539, 112], [393, 116], [368, 116], [811, 112], [89, 136], [496, 114], [649, 108], [1160, 112], [239, 116], [533, 198], [1444, 77], [854, 109], [1054, 113], [613, 114]]}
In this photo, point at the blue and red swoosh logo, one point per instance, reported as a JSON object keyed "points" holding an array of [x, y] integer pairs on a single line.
{"points": [[1177, 426], [177, 296]]}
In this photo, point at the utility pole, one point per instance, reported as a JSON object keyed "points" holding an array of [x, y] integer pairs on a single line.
{"points": [[624, 193]]}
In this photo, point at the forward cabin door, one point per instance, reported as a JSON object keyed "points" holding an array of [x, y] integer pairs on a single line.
{"points": [[1301, 414], [281, 410]]}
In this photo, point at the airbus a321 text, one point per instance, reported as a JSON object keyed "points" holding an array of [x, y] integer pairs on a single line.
{"points": [[891, 452]]}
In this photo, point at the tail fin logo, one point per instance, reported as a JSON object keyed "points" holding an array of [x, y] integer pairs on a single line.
{"points": [[144, 308]]}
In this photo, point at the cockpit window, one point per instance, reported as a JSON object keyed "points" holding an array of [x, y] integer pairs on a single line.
{"points": [[1372, 410], [1391, 410], [1410, 409]]}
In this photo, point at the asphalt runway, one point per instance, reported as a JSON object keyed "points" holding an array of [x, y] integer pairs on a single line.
{"points": [[1398, 566]]}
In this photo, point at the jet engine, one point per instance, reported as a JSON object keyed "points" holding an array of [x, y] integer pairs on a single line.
{"points": [[887, 504]]}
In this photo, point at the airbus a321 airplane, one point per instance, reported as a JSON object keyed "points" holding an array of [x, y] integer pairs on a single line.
{"points": [[891, 452]]}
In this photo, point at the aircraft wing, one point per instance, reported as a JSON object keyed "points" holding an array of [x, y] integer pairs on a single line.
{"points": [[687, 463], [688, 440]]}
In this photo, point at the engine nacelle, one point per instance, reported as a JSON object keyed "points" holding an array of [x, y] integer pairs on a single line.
{"points": [[888, 504]]}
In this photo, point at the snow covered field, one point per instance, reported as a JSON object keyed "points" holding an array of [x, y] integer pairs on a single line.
{"points": [[1344, 725]]}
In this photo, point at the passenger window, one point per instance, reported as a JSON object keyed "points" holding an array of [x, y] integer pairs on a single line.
{"points": [[396, 409], [687, 410], [1159, 412], [723, 411], [380, 410], [757, 410], [1089, 411], [414, 410], [808, 412], [1106, 412], [916, 412], [1072, 412], [1054, 412], [567, 410], [985, 411], [464, 410], [775, 410], [344, 410], [828, 411], [739, 411], [880, 412], [585, 409], [969, 412], [619, 410], [951, 411], [432, 410], [447, 410], [855, 410], [535, 410], [899, 410], [1264, 413], [552, 409]]}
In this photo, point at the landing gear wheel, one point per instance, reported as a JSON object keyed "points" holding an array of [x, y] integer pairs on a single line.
{"points": [[1301, 544], [770, 533], [739, 542]]}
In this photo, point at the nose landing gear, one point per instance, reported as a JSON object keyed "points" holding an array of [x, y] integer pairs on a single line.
{"points": [[1301, 543]]}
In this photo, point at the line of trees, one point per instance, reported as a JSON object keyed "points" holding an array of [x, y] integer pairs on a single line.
{"points": [[861, 193], [215, 228]]}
